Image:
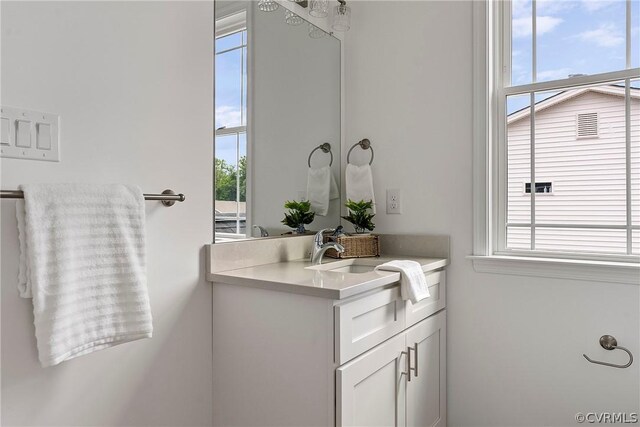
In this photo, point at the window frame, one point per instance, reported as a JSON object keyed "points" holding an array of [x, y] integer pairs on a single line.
{"points": [[492, 74]]}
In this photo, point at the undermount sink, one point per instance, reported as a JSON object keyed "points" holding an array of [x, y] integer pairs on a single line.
{"points": [[351, 266], [354, 268]]}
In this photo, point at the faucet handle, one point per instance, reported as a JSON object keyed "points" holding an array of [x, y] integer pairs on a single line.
{"points": [[263, 231], [320, 234]]}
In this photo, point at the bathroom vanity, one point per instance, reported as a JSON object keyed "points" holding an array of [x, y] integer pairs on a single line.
{"points": [[333, 344]]}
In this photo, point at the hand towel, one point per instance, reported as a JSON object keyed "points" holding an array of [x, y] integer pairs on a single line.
{"points": [[321, 189], [413, 285], [359, 184], [82, 261]]}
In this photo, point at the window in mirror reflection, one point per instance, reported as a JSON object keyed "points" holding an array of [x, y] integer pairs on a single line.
{"points": [[230, 124]]}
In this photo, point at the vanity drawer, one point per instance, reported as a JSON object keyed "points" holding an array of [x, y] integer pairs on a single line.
{"points": [[428, 306], [366, 322]]}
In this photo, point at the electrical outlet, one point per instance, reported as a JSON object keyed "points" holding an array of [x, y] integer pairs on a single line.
{"points": [[394, 201]]}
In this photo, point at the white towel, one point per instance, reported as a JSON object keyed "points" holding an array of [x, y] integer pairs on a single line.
{"points": [[321, 189], [359, 184], [82, 260], [413, 285]]}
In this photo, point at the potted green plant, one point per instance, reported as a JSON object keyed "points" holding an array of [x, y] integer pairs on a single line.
{"points": [[298, 216], [360, 215]]}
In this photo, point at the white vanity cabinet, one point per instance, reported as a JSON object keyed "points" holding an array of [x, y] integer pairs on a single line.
{"points": [[374, 389], [400, 382], [287, 359]]}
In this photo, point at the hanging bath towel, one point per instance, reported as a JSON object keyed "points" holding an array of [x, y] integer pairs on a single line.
{"points": [[321, 189], [82, 261], [359, 184]]}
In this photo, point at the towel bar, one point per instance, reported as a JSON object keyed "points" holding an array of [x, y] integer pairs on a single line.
{"points": [[168, 197]]}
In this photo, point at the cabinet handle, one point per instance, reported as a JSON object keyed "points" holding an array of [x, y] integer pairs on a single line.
{"points": [[409, 368], [408, 373], [415, 349]]}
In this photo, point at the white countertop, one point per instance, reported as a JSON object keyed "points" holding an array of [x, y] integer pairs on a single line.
{"points": [[295, 276]]}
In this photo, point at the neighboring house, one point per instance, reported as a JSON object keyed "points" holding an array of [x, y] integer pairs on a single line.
{"points": [[580, 166], [230, 217]]}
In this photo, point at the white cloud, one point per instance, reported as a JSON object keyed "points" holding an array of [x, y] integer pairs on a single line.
{"points": [[550, 7], [522, 26], [227, 115], [607, 35], [596, 5], [560, 73], [520, 8]]}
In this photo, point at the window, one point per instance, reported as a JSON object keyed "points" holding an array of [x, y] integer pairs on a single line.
{"points": [[563, 119], [541, 187], [231, 127]]}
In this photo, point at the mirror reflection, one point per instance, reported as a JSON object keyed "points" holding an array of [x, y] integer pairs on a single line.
{"points": [[277, 121]]}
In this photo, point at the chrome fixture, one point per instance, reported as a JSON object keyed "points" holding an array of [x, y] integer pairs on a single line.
{"points": [[263, 231], [608, 342], [168, 197], [319, 8], [291, 18], [341, 17], [409, 368], [325, 148], [319, 248], [267, 5], [365, 144]]}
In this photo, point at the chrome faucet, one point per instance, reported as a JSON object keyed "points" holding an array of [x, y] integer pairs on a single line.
{"points": [[263, 231], [318, 250]]}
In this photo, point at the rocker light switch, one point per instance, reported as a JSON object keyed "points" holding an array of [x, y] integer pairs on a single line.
{"points": [[43, 139], [23, 133], [5, 134]]}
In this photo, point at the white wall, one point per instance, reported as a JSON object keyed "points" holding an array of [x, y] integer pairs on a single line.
{"points": [[515, 344], [133, 85]]}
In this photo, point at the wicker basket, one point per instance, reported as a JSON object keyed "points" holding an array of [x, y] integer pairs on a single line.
{"points": [[355, 246]]}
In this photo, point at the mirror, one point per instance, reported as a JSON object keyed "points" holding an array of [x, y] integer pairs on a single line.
{"points": [[277, 100]]}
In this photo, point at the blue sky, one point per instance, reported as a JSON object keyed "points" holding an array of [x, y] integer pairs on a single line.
{"points": [[573, 37], [229, 94]]}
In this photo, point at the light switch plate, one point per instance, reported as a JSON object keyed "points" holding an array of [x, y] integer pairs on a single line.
{"points": [[28, 134]]}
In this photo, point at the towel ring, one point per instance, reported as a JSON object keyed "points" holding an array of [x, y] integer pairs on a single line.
{"points": [[610, 343], [365, 144], [326, 148]]}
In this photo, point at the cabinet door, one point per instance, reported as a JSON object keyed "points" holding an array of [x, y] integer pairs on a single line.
{"points": [[371, 389], [426, 392]]}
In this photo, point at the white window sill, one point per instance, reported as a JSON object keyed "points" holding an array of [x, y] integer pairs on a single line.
{"points": [[596, 271]]}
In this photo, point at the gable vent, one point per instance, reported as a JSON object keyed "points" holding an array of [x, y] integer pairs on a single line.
{"points": [[587, 125]]}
